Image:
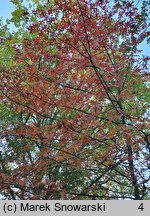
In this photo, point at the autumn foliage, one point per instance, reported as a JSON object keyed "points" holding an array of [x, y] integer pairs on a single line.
{"points": [[76, 122]]}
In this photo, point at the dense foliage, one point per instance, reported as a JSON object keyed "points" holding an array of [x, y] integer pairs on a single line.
{"points": [[74, 118]]}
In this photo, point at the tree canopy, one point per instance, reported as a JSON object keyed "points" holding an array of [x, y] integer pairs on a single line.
{"points": [[74, 120]]}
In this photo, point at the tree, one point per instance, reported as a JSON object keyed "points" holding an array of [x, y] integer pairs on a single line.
{"points": [[76, 86]]}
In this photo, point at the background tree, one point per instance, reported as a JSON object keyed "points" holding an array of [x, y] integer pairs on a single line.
{"points": [[76, 87]]}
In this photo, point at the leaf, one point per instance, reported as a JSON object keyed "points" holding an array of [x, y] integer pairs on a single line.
{"points": [[111, 133], [29, 62], [74, 120]]}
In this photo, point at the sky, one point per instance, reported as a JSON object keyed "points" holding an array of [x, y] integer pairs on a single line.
{"points": [[6, 7]]}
